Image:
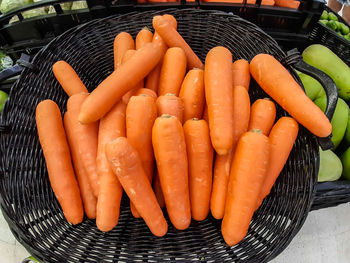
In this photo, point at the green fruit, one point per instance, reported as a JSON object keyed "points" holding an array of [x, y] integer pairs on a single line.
{"points": [[324, 59], [332, 16], [347, 132], [332, 25], [313, 88], [339, 120], [330, 166], [324, 15], [344, 29], [347, 37], [338, 25], [345, 159], [323, 22], [3, 98]]}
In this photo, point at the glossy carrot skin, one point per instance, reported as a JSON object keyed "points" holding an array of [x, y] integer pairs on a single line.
{"points": [[170, 104], [262, 115], [122, 42], [240, 73], [143, 37]]}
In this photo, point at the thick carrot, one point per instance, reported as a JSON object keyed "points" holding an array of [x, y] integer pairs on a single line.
{"points": [[58, 162], [262, 115], [200, 165], [247, 177], [170, 151], [276, 81], [110, 91], [147, 92], [205, 113], [170, 104], [158, 190], [282, 138], [173, 71], [68, 78], [86, 138], [143, 37], [141, 113], [192, 94], [87, 195], [218, 94], [152, 80], [173, 39], [122, 42], [126, 164], [288, 3], [112, 126], [240, 73]]}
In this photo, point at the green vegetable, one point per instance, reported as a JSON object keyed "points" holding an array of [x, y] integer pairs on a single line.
{"points": [[313, 88], [332, 16], [323, 22], [345, 159], [324, 59], [347, 37], [347, 132], [332, 25], [324, 15], [330, 166], [338, 25], [3, 98], [79, 5], [340, 34], [9, 5], [344, 29]]}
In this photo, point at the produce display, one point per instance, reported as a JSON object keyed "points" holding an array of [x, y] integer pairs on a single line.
{"points": [[330, 20], [3, 98]]}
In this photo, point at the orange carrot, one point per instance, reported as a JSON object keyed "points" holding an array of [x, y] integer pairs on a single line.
{"points": [[170, 104], [126, 164], [122, 42], [147, 92], [240, 73], [68, 78], [247, 177], [143, 37], [262, 115], [170, 151], [158, 190], [87, 195], [200, 161], [152, 79], [85, 137], [205, 114], [58, 162], [173, 39], [288, 3], [102, 99], [282, 138], [141, 113], [276, 81], [112, 126], [192, 94], [218, 94]]}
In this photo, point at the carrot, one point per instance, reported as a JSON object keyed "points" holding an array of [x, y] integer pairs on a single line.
{"points": [[240, 73], [282, 138], [143, 37], [87, 195], [205, 114], [173, 39], [68, 78], [247, 176], [200, 161], [112, 126], [218, 94], [192, 94], [222, 165], [158, 190], [170, 151], [85, 137], [152, 79], [262, 115], [122, 42], [141, 113], [172, 72], [288, 3], [102, 99], [171, 20], [147, 92], [126, 164], [268, 2], [58, 162], [170, 104], [276, 81]]}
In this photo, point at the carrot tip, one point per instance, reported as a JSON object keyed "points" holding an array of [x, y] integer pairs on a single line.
{"points": [[170, 94], [166, 116]]}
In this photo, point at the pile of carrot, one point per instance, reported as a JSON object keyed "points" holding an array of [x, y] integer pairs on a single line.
{"points": [[172, 133]]}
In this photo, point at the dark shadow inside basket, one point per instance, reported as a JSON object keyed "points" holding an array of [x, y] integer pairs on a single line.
{"points": [[34, 214]]}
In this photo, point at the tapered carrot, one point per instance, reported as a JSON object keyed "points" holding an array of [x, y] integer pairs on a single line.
{"points": [[172, 72], [112, 126], [282, 138], [122, 42], [247, 177], [218, 94], [222, 165], [170, 104], [200, 165], [240, 73], [58, 161], [170, 151], [173, 39], [143, 37], [87, 195], [86, 139], [102, 99], [126, 164], [205, 113], [192, 94], [141, 113], [152, 80], [68, 78], [262, 115], [147, 92], [288, 3], [277, 82], [158, 190]]}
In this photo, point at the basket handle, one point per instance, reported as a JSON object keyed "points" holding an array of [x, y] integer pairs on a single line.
{"points": [[30, 260], [295, 59]]}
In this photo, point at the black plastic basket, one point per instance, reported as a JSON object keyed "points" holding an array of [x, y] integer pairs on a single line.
{"points": [[32, 211]]}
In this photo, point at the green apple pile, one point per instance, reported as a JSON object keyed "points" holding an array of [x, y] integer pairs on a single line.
{"points": [[331, 21]]}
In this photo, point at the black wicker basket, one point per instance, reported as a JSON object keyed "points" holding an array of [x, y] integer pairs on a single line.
{"points": [[32, 210]]}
